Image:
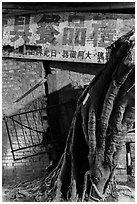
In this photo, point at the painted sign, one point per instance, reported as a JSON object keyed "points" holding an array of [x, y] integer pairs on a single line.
{"points": [[78, 37]]}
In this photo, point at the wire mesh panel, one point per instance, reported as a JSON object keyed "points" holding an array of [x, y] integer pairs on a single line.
{"points": [[25, 132], [32, 132]]}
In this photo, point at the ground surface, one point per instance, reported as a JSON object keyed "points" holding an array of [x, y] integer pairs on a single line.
{"points": [[21, 194]]}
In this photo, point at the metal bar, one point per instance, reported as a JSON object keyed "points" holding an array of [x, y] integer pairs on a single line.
{"points": [[35, 126], [25, 125], [22, 130], [29, 128], [9, 137], [16, 133], [26, 112], [27, 147], [42, 81]]}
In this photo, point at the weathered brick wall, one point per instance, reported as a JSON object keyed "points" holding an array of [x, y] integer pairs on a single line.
{"points": [[19, 77]]}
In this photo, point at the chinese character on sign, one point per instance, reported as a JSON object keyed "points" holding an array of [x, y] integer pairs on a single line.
{"points": [[75, 34], [100, 57], [46, 52], [73, 54], [108, 51], [81, 54], [53, 53], [65, 54], [78, 36], [46, 30], [106, 37], [21, 28], [47, 34], [103, 34], [88, 55]]}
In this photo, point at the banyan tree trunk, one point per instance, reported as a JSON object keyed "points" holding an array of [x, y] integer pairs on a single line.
{"points": [[103, 116]]}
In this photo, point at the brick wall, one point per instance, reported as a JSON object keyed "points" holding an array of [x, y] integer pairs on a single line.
{"points": [[19, 77]]}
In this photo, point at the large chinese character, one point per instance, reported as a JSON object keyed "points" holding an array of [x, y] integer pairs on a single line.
{"points": [[47, 34], [21, 28], [75, 35], [106, 37], [78, 36], [103, 33], [46, 30]]}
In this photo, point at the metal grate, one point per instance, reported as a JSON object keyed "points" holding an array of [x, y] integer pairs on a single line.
{"points": [[25, 131]]}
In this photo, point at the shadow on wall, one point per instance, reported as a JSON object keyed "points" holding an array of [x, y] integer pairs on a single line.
{"points": [[61, 107]]}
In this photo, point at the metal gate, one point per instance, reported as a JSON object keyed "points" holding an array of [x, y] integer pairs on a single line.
{"points": [[27, 131]]}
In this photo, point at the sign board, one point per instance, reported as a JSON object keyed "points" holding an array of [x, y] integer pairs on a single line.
{"points": [[68, 36]]}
